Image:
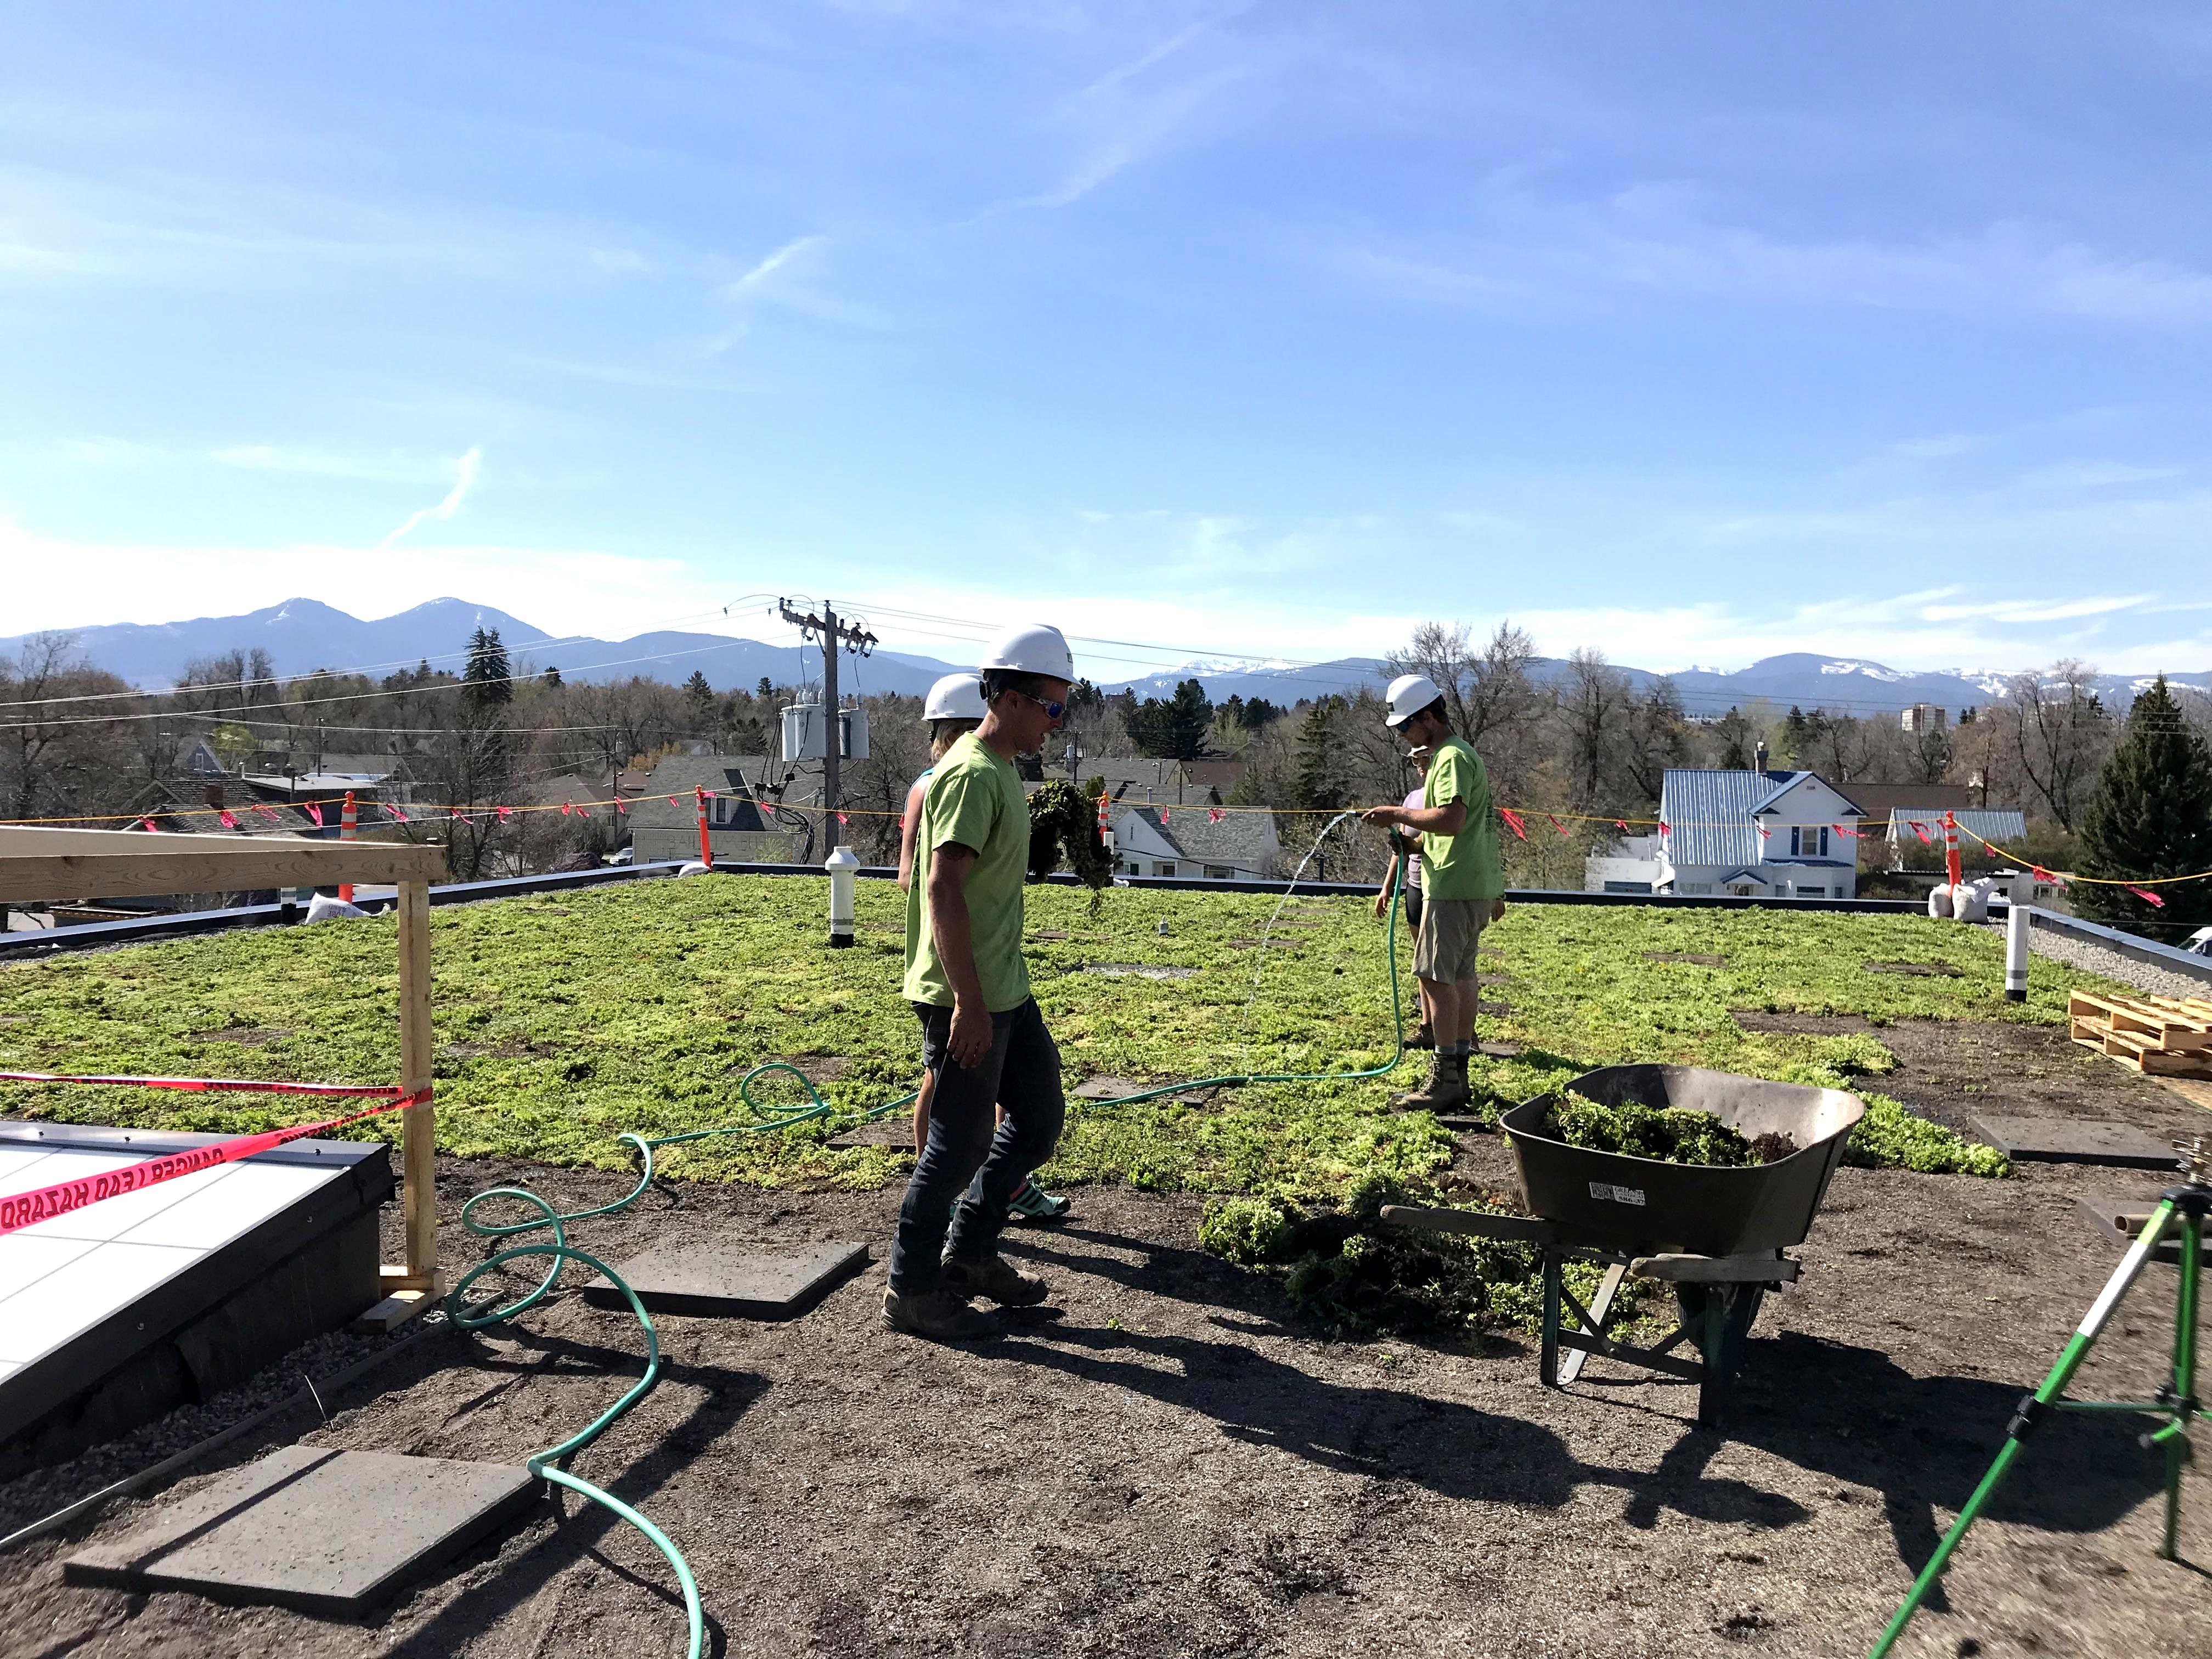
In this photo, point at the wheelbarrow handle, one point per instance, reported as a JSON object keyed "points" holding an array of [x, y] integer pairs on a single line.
{"points": [[1716, 1269], [1479, 1224]]}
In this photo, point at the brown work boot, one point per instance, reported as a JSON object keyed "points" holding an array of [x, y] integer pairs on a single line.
{"points": [[1421, 1037], [997, 1279], [942, 1314], [1445, 1091]]}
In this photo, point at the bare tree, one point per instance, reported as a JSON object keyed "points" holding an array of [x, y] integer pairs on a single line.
{"points": [[1658, 737], [2061, 734], [1594, 698], [59, 756]]}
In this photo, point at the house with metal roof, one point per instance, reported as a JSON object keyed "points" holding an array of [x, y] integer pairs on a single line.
{"points": [[1207, 843], [742, 826], [1762, 834], [1917, 824]]}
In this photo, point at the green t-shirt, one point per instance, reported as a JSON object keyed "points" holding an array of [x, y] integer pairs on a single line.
{"points": [[974, 800], [1465, 865]]}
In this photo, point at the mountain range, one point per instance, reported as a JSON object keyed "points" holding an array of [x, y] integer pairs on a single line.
{"points": [[300, 634]]}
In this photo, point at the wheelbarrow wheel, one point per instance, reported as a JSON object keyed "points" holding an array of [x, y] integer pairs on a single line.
{"points": [[1718, 1318]]}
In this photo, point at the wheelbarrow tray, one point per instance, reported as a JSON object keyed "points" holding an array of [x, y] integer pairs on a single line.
{"points": [[1649, 1206]]}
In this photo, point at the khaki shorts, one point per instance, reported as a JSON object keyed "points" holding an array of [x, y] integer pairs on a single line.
{"points": [[1450, 933]]}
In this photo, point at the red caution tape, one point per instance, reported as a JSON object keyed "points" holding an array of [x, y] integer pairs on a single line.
{"points": [[314, 812], [2149, 897], [1557, 825], [20, 1210], [1513, 822], [228, 821]]}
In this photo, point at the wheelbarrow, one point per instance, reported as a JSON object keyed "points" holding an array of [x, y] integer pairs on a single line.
{"points": [[1717, 1235]]}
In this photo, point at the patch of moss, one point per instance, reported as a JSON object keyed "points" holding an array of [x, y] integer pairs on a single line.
{"points": [[1359, 1277], [1891, 1136]]}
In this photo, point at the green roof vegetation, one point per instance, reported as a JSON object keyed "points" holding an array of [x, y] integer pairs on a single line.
{"points": [[563, 1019]]}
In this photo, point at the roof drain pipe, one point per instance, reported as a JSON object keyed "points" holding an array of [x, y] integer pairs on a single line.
{"points": [[842, 865]]}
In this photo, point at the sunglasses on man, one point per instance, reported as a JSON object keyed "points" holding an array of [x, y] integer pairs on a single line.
{"points": [[1052, 711]]}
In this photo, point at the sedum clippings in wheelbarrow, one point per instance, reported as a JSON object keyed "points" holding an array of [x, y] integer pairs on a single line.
{"points": [[1716, 1235]]}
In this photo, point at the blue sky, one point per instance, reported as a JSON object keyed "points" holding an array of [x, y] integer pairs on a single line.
{"points": [[1693, 334]]}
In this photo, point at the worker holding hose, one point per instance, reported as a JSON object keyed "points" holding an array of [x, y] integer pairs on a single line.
{"points": [[1463, 881], [983, 1041], [953, 709]]}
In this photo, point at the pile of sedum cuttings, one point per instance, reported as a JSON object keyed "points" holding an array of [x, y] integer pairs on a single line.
{"points": [[1670, 1134]]}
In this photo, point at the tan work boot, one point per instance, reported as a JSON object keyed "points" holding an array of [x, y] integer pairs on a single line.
{"points": [[1421, 1037], [996, 1278], [942, 1314], [1445, 1091]]}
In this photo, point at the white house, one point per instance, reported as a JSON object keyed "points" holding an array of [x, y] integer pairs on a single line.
{"points": [[1205, 843], [1633, 867], [1764, 834]]}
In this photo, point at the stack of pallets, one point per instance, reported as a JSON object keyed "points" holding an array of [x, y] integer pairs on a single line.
{"points": [[2162, 1037]]}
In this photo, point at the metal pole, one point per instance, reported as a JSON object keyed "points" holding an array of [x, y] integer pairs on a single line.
{"points": [[831, 744], [2016, 926], [2184, 1379], [2024, 1420]]}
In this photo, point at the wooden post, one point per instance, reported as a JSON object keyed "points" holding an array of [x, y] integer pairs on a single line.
{"points": [[414, 1286], [420, 1122]]}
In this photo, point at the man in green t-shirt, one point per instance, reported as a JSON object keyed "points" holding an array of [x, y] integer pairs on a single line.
{"points": [[1463, 881], [983, 1039]]}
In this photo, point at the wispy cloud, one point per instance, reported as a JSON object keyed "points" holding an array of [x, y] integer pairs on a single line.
{"points": [[1532, 249], [1126, 114], [465, 478], [322, 464], [789, 277]]}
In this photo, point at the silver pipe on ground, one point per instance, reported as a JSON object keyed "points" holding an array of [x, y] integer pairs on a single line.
{"points": [[2016, 926]]}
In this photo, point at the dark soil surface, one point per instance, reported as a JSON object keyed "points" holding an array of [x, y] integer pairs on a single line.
{"points": [[1172, 1464], [1758, 1019]]}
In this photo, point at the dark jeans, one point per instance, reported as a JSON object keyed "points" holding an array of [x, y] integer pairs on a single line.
{"points": [[1020, 1072]]}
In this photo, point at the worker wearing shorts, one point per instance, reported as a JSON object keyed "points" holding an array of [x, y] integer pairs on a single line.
{"points": [[1462, 881]]}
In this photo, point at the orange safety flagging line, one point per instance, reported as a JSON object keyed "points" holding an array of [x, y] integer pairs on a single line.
{"points": [[20, 1210], [623, 803]]}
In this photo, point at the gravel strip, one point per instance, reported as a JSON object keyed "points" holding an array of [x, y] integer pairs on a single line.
{"points": [[2093, 958]]}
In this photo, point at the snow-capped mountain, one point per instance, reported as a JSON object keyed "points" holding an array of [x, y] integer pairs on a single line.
{"points": [[300, 634]]}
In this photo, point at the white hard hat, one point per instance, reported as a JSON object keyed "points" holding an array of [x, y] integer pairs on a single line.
{"points": [[955, 698], [1409, 694], [1039, 648]]}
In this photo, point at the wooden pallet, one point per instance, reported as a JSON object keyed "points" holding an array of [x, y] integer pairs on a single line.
{"points": [[2164, 1036]]}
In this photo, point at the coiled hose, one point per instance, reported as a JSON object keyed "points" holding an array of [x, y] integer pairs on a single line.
{"points": [[551, 1464]]}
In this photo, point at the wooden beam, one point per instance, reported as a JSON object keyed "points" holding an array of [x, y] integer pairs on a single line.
{"points": [[233, 864]]}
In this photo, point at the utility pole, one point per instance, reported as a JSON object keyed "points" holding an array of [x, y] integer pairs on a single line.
{"points": [[832, 633]]}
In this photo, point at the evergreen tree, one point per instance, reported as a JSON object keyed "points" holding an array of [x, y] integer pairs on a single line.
{"points": [[1321, 770], [2151, 815], [488, 684], [701, 696], [763, 690], [551, 677], [1173, 729]]}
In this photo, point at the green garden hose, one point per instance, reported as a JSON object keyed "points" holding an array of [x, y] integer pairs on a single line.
{"points": [[550, 1464]]}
